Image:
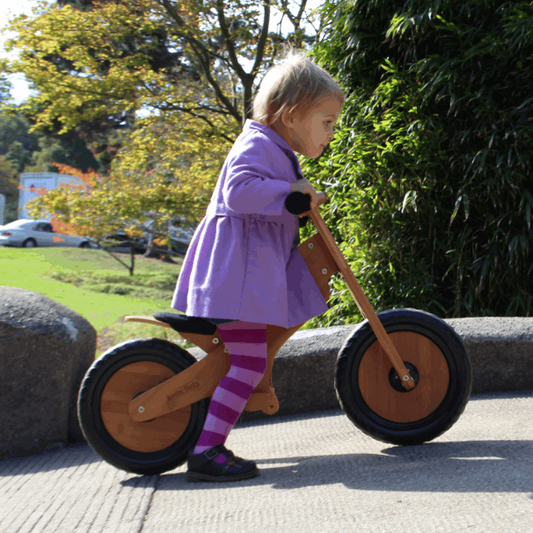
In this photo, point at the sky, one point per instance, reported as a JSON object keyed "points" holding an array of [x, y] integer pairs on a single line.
{"points": [[8, 9]]}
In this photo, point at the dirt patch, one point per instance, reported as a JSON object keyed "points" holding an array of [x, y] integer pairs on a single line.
{"points": [[104, 341]]}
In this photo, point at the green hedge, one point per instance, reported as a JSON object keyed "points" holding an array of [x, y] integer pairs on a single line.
{"points": [[430, 174]]}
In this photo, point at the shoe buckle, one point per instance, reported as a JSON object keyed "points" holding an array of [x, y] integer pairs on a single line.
{"points": [[211, 454]]}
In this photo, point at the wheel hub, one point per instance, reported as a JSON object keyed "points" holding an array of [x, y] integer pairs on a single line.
{"points": [[397, 383]]}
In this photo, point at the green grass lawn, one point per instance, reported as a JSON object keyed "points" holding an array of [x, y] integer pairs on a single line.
{"points": [[96, 286]]}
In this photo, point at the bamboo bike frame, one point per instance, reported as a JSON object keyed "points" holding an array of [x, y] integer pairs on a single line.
{"points": [[324, 259]]}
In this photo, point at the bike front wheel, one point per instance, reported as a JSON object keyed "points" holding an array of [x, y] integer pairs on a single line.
{"points": [[371, 394]]}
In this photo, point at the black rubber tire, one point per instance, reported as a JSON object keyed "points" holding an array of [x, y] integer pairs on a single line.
{"points": [[455, 397], [145, 463], [26, 243]]}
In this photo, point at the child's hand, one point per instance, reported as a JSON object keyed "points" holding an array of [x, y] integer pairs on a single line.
{"points": [[304, 186], [322, 198]]}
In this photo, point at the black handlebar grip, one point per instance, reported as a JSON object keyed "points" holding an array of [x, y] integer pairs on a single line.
{"points": [[298, 203]]}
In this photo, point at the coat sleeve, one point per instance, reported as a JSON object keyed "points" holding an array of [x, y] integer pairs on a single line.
{"points": [[257, 178]]}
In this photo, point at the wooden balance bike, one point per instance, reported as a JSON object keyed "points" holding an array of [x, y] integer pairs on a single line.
{"points": [[403, 377]]}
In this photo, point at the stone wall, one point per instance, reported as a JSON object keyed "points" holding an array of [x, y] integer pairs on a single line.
{"points": [[500, 349]]}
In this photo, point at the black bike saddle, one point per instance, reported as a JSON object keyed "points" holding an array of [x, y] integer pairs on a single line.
{"points": [[187, 324]]}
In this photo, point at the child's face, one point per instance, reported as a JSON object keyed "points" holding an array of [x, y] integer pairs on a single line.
{"points": [[309, 133]]}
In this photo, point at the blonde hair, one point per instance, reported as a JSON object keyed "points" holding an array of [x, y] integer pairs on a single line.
{"points": [[295, 83]]}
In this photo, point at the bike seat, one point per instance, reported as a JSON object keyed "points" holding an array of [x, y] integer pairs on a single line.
{"points": [[187, 324]]}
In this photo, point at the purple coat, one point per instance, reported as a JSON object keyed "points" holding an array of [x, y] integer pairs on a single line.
{"points": [[240, 264]]}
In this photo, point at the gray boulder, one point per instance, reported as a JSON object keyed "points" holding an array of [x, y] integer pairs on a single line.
{"points": [[45, 350]]}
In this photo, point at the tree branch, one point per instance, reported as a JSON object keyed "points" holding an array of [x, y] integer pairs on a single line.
{"points": [[207, 121], [206, 67], [295, 21], [262, 38], [202, 54], [229, 42]]}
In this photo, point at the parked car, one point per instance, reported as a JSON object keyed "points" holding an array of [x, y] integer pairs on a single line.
{"points": [[178, 247], [121, 242], [179, 233], [181, 230], [30, 233]]}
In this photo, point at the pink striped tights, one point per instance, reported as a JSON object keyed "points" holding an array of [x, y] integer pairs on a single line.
{"points": [[247, 347]]}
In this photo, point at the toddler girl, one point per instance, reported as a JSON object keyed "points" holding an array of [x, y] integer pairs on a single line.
{"points": [[242, 270]]}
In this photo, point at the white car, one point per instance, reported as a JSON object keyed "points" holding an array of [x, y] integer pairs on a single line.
{"points": [[181, 230], [30, 233]]}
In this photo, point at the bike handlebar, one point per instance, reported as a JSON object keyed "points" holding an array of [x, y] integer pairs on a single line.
{"points": [[298, 203]]}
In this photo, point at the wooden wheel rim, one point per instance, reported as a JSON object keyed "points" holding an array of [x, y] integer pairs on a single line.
{"points": [[404, 407], [122, 386]]}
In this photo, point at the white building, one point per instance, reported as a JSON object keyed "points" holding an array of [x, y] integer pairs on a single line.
{"points": [[2, 208], [31, 182]]}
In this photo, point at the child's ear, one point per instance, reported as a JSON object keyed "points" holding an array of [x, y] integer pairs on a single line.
{"points": [[287, 118]]}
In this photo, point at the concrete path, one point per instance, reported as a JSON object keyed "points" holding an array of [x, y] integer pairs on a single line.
{"points": [[319, 474]]}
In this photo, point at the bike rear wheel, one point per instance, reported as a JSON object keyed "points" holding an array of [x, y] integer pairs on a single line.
{"points": [[371, 394], [119, 375]]}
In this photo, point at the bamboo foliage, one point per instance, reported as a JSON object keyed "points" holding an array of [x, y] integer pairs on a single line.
{"points": [[431, 171]]}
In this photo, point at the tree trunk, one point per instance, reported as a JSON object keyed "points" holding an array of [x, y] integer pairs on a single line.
{"points": [[131, 268]]}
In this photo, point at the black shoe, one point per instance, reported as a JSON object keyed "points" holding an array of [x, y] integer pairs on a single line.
{"points": [[202, 467]]}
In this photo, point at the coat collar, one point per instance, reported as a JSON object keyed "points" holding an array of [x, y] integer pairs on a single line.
{"points": [[251, 126]]}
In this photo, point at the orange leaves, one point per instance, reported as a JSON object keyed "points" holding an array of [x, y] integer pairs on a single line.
{"points": [[125, 201]]}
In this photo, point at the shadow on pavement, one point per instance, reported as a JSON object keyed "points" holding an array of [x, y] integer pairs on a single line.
{"points": [[471, 466]]}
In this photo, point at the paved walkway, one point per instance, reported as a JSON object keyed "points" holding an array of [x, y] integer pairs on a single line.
{"points": [[319, 474]]}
